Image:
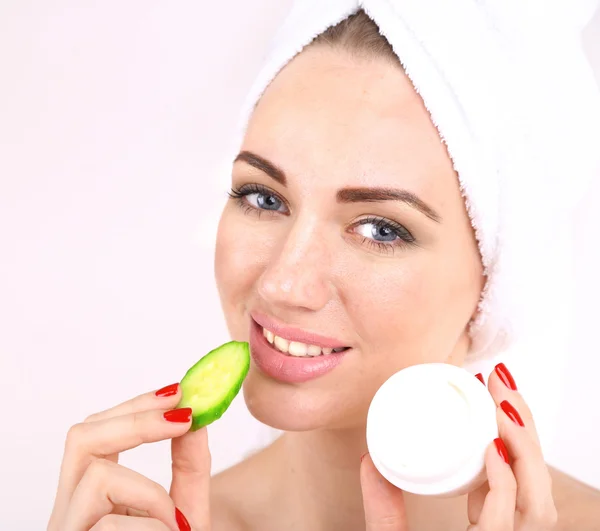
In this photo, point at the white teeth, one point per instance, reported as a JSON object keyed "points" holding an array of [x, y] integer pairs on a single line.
{"points": [[313, 350], [282, 344], [297, 349]]}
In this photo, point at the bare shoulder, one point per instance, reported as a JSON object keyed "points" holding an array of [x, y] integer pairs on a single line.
{"points": [[578, 504], [223, 515], [224, 511]]}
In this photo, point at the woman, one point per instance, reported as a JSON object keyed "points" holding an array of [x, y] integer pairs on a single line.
{"points": [[345, 254]]}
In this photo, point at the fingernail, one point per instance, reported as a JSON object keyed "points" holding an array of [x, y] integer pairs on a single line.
{"points": [[182, 522], [506, 377], [169, 390], [479, 376], [183, 414], [363, 456], [501, 449], [511, 412]]}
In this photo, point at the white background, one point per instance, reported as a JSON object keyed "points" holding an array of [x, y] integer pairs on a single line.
{"points": [[114, 117]]}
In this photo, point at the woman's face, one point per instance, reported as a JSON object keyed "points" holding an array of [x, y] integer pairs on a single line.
{"points": [[350, 225]]}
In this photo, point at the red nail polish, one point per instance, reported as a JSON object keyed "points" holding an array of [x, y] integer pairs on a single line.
{"points": [[169, 390], [182, 522], [183, 414], [479, 376], [506, 377], [511, 412], [501, 449]]}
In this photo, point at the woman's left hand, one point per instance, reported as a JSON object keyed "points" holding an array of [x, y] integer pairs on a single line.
{"points": [[518, 493]]}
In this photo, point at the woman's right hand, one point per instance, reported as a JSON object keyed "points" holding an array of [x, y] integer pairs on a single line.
{"points": [[96, 493]]}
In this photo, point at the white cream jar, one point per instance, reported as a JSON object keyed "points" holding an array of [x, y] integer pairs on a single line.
{"points": [[428, 428]]}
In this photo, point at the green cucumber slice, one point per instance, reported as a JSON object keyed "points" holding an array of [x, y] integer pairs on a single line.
{"points": [[211, 384]]}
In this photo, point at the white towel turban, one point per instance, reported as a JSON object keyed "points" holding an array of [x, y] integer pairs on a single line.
{"points": [[509, 88]]}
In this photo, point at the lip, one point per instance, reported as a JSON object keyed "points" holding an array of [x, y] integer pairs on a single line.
{"points": [[295, 334], [285, 368]]}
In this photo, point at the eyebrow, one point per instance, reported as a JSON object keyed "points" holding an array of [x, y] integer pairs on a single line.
{"points": [[345, 195], [263, 165], [374, 195]]}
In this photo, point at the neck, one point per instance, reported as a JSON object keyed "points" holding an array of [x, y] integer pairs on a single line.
{"points": [[320, 483], [317, 482]]}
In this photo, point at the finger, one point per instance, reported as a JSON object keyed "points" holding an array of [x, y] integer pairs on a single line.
{"points": [[502, 387], [113, 522], [535, 503], [383, 502], [166, 398], [190, 485], [103, 438], [498, 512], [105, 485], [117, 434], [475, 501]]}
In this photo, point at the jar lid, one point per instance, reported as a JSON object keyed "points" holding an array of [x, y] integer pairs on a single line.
{"points": [[430, 424]]}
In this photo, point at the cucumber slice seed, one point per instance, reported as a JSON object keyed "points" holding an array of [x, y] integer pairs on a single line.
{"points": [[211, 384]]}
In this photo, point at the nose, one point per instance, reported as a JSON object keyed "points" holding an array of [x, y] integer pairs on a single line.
{"points": [[297, 274]]}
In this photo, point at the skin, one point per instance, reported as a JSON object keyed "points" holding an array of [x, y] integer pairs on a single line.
{"points": [[329, 121], [306, 267]]}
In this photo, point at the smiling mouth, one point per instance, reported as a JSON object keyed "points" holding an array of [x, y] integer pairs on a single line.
{"points": [[296, 348]]}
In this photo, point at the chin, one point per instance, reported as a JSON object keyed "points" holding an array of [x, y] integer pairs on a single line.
{"points": [[303, 407]]}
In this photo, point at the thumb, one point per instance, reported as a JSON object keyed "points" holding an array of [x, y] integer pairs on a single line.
{"points": [[190, 484], [383, 502]]}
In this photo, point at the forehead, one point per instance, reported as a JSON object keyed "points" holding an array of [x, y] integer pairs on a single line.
{"points": [[357, 121]]}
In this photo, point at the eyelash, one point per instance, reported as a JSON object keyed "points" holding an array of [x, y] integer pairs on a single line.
{"points": [[239, 194], [405, 238]]}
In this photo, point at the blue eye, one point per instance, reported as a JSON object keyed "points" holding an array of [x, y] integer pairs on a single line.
{"points": [[258, 198], [264, 201], [378, 232], [383, 232]]}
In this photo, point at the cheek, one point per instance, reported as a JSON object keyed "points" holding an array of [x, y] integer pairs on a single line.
{"points": [[238, 263], [244, 249], [414, 312], [391, 308]]}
